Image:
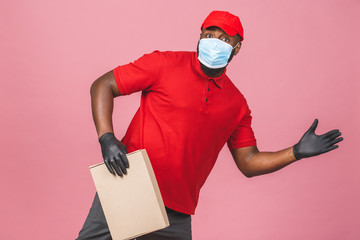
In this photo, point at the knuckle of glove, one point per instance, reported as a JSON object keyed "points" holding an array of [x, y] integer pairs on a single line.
{"points": [[114, 149]]}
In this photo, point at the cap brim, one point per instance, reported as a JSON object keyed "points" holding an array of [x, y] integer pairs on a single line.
{"points": [[229, 30]]}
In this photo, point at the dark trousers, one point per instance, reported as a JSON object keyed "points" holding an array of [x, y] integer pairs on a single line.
{"points": [[95, 226]]}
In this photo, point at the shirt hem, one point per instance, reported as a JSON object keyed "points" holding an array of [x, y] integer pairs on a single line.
{"points": [[243, 144], [120, 86], [178, 208]]}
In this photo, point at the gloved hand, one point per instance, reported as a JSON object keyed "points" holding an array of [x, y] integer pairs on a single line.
{"points": [[311, 144], [114, 154]]}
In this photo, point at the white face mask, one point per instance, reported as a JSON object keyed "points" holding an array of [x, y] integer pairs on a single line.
{"points": [[214, 53]]}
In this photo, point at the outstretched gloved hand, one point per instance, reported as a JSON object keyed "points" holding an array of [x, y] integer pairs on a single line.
{"points": [[114, 154], [311, 144]]}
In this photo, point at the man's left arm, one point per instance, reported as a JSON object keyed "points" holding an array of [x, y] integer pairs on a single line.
{"points": [[251, 162]]}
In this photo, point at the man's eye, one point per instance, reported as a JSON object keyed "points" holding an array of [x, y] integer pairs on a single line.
{"points": [[208, 35], [226, 40]]}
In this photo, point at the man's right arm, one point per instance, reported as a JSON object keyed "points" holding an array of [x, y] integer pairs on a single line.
{"points": [[103, 91]]}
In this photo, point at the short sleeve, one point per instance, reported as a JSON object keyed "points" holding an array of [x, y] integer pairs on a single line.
{"points": [[140, 75], [243, 136]]}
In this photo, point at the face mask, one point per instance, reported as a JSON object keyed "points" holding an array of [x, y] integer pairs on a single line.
{"points": [[214, 53]]}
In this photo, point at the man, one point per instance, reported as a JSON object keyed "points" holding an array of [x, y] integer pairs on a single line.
{"points": [[189, 109]]}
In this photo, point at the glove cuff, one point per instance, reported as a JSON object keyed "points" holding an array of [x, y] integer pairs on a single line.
{"points": [[106, 137], [296, 154]]}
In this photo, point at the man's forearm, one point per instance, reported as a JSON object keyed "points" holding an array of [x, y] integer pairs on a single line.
{"points": [[103, 91], [102, 102], [251, 162], [266, 162]]}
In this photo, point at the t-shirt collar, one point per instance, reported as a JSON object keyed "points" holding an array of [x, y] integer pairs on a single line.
{"points": [[219, 81]]}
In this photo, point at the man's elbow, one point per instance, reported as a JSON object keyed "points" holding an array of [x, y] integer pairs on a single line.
{"points": [[105, 84], [96, 87], [92, 89], [244, 158], [248, 174]]}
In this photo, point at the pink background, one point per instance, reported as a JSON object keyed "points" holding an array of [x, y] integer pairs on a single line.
{"points": [[299, 61]]}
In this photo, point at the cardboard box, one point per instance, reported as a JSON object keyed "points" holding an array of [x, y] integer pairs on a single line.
{"points": [[132, 204]]}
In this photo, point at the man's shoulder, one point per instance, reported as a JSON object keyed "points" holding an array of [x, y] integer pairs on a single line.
{"points": [[171, 58], [175, 54], [167, 56]]}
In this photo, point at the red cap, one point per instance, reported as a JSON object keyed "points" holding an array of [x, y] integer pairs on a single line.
{"points": [[226, 21]]}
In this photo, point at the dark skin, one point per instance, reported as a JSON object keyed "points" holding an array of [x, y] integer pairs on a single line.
{"points": [[249, 160], [103, 91], [234, 41]]}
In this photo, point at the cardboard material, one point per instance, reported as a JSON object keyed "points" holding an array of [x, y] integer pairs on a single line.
{"points": [[132, 204]]}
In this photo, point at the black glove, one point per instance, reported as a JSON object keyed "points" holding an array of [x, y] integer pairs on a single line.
{"points": [[114, 154], [311, 144]]}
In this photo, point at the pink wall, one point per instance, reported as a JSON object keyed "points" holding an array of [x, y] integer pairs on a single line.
{"points": [[299, 60]]}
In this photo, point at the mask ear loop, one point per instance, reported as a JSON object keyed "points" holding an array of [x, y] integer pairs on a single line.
{"points": [[236, 45]]}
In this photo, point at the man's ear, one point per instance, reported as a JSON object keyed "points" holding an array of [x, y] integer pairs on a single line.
{"points": [[237, 49]]}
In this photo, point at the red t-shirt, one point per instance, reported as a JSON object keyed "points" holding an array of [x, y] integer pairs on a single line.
{"points": [[183, 121]]}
